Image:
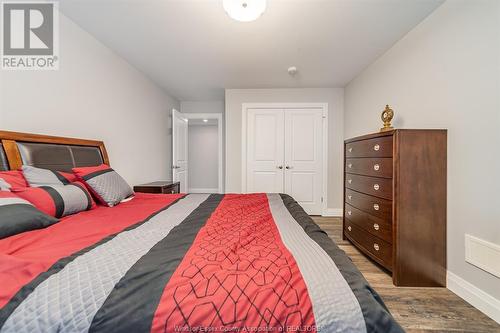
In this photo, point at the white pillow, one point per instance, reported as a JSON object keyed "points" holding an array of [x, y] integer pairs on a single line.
{"points": [[4, 186]]}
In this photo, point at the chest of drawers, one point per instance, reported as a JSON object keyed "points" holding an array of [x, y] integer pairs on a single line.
{"points": [[395, 203]]}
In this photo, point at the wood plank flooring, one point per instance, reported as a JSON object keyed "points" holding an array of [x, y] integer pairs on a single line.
{"points": [[416, 309]]}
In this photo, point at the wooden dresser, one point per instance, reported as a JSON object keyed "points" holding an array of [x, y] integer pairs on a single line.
{"points": [[395, 202]]}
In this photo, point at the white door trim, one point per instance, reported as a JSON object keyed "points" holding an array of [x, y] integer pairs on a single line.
{"points": [[217, 116], [322, 106]]}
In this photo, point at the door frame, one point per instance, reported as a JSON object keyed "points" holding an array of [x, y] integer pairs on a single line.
{"points": [[320, 106], [218, 117]]}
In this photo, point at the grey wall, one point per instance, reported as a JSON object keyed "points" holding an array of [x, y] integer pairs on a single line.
{"points": [[95, 95], [446, 74], [332, 96], [203, 157]]}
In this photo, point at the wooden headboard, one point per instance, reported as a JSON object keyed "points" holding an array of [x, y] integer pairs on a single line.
{"points": [[15, 144]]}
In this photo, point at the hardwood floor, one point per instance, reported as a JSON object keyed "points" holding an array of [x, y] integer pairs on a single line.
{"points": [[416, 309]]}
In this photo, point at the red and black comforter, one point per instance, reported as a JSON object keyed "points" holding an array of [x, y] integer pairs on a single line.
{"points": [[195, 263]]}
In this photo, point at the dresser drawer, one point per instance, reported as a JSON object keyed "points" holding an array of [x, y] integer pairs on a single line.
{"points": [[379, 187], [377, 147], [376, 248], [377, 167], [376, 226], [375, 206]]}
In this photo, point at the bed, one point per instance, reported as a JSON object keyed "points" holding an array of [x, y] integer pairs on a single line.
{"points": [[176, 263]]}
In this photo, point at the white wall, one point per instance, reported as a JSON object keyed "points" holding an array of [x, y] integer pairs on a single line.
{"points": [[202, 107], [203, 159], [233, 116], [446, 74], [94, 95]]}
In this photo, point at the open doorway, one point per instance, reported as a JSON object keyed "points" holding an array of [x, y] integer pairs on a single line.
{"points": [[197, 151]]}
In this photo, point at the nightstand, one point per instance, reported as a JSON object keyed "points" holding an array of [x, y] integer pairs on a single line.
{"points": [[166, 187]]}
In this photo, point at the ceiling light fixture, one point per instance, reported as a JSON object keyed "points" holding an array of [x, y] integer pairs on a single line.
{"points": [[292, 70], [205, 120], [244, 10]]}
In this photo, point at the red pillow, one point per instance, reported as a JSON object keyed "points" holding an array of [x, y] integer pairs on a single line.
{"points": [[58, 200], [84, 171], [15, 178], [71, 177]]}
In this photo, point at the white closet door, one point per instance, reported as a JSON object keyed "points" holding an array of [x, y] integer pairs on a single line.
{"points": [[265, 150], [303, 157]]}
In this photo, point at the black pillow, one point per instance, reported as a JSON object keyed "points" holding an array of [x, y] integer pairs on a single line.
{"points": [[18, 215]]}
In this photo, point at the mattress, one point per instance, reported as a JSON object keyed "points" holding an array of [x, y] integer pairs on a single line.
{"points": [[186, 263]]}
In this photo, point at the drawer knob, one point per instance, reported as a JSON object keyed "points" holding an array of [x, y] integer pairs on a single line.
{"points": [[349, 181], [349, 228], [376, 147], [376, 226], [376, 167], [349, 212], [376, 206], [349, 197], [350, 150], [376, 247], [349, 165], [376, 187]]}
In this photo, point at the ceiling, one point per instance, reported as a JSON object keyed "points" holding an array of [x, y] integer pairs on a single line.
{"points": [[193, 50]]}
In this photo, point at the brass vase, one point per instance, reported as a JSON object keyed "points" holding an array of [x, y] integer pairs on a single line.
{"points": [[386, 117]]}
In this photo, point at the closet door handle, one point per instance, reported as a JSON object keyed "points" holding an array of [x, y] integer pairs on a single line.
{"points": [[280, 167], [288, 167]]}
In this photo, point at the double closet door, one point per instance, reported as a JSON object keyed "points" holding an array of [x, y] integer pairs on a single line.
{"points": [[284, 154]]}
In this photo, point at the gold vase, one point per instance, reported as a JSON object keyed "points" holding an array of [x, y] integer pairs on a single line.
{"points": [[386, 117]]}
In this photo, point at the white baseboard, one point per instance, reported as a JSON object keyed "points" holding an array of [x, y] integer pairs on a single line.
{"points": [[203, 190], [334, 212], [482, 301], [482, 254]]}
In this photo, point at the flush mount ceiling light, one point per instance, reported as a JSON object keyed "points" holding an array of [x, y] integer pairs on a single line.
{"points": [[244, 10]]}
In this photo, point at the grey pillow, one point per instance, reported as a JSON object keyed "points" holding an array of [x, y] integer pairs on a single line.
{"points": [[42, 177], [106, 184], [18, 215]]}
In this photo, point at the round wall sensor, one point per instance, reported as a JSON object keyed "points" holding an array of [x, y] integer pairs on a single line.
{"points": [[292, 70]]}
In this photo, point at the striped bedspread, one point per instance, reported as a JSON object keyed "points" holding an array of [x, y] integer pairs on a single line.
{"points": [[186, 263]]}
